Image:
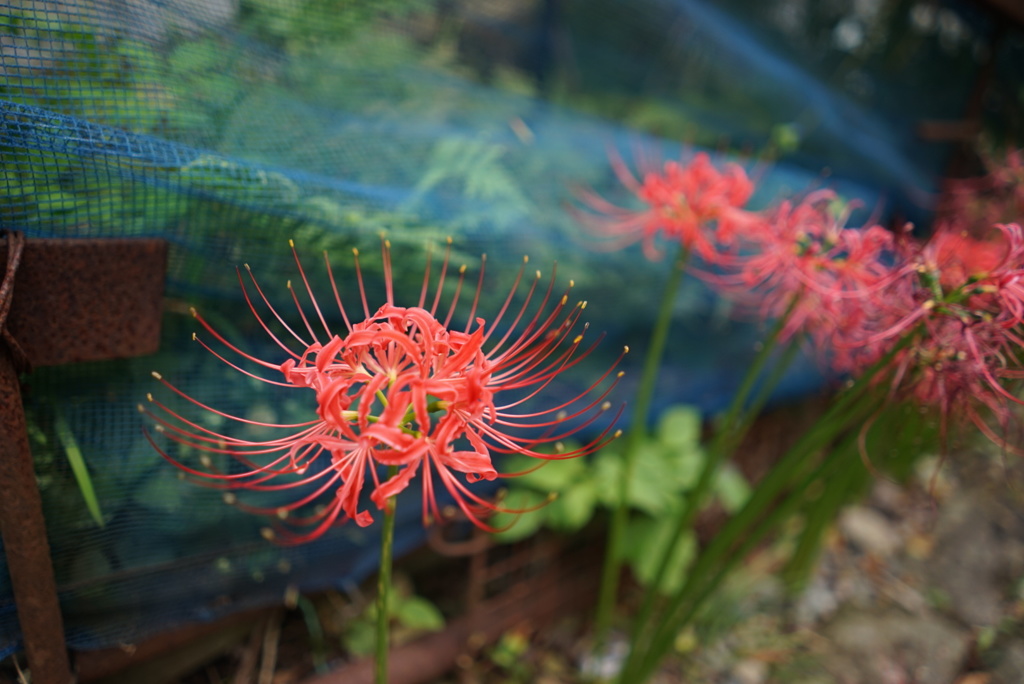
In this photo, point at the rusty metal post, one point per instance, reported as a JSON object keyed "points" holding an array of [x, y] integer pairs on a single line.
{"points": [[24, 535], [78, 300], [21, 506]]}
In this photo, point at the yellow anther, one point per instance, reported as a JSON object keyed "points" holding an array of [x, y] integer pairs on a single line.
{"points": [[552, 496], [625, 349], [565, 299], [291, 243], [572, 283], [288, 284], [149, 396], [194, 337], [230, 499], [355, 252], [267, 534], [192, 310], [247, 267], [929, 305], [282, 513], [620, 374], [387, 244], [462, 269], [583, 305], [157, 376], [606, 405], [618, 433], [526, 258], [578, 339], [160, 428], [205, 460], [449, 239]]}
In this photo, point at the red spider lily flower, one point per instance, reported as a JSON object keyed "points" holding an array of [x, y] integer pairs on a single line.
{"points": [[959, 366], [957, 257], [963, 299], [403, 388], [990, 266], [802, 259], [695, 204]]}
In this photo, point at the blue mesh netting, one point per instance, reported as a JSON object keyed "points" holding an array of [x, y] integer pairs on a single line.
{"points": [[229, 127]]}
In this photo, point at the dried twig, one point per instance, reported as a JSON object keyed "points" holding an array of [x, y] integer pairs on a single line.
{"points": [[246, 672], [271, 640]]}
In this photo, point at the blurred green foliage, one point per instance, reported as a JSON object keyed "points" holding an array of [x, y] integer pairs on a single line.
{"points": [[411, 615], [667, 468]]}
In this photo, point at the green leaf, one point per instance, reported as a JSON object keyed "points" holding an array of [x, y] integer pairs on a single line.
{"points": [[81, 473], [732, 488], [574, 507], [680, 427], [35, 432], [607, 469], [510, 649], [197, 57], [418, 613], [647, 541], [552, 476], [686, 467], [361, 638], [519, 525], [162, 491], [653, 487], [786, 138], [987, 637]]}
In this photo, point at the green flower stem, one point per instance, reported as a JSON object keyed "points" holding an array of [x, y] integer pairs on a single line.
{"points": [[731, 430], [703, 575], [739, 401], [387, 543], [855, 404], [757, 404], [645, 394], [829, 469], [318, 646], [771, 520], [753, 523], [819, 515]]}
